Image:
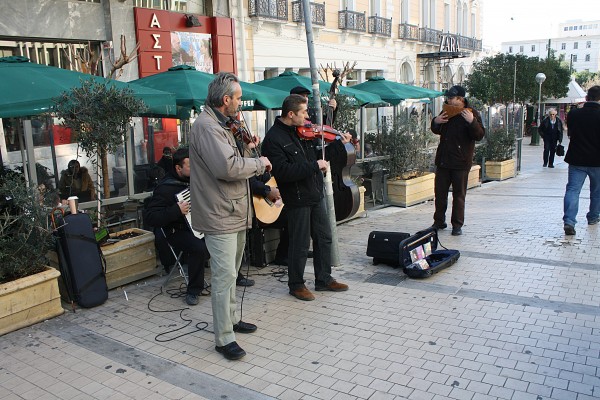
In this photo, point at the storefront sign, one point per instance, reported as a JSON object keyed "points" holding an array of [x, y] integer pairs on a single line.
{"points": [[449, 44]]}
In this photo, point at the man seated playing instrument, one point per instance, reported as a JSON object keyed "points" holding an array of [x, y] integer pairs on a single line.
{"points": [[164, 211]]}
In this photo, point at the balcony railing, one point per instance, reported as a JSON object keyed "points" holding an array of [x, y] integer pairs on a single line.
{"points": [[380, 26], [317, 12], [352, 21], [408, 32], [273, 9], [428, 35]]}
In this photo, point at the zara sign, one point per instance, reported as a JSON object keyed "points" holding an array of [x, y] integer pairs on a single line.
{"points": [[449, 43]]}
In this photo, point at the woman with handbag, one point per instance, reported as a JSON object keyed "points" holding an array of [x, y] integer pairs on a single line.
{"points": [[551, 130]]}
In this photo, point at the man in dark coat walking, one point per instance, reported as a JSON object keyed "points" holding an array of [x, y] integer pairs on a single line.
{"points": [[551, 130], [583, 157]]}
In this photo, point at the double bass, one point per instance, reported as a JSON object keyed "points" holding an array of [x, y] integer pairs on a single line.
{"points": [[346, 196]]}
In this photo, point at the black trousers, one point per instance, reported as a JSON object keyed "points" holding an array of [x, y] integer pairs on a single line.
{"points": [[196, 254], [305, 223], [444, 177], [549, 151]]}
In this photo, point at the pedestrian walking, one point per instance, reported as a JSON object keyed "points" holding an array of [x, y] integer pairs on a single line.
{"points": [[583, 157], [551, 130]]}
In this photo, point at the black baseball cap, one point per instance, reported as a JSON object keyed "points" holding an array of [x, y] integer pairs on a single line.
{"points": [[456, 91], [300, 90]]}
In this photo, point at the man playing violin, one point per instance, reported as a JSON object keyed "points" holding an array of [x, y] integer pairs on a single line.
{"points": [[220, 196], [298, 168]]}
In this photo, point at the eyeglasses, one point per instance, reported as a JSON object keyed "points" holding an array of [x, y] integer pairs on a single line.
{"points": [[553, 115]]}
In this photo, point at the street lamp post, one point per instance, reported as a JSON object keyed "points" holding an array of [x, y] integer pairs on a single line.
{"points": [[535, 137]]}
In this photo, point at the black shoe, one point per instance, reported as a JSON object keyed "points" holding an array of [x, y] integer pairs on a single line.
{"points": [[550, 166], [309, 254], [569, 230], [456, 231], [244, 327], [244, 282], [231, 351], [192, 299], [545, 164], [437, 225], [594, 221]]}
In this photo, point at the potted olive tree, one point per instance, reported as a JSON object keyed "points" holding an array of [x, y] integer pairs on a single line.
{"points": [[99, 114], [498, 151], [410, 148], [28, 287]]}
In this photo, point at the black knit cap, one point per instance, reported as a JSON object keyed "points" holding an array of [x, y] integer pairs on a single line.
{"points": [[299, 90], [456, 91]]}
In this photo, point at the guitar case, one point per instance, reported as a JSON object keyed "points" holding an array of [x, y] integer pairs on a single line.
{"points": [[80, 260]]}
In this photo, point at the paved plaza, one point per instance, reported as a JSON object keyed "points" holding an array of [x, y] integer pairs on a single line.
{"points": [[517, 317]]}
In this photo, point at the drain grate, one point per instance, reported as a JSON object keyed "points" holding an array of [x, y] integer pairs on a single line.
{"points": [[389, 279]]}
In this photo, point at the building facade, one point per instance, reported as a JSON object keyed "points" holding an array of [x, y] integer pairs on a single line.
{"points": [[430, 43], [577, 41]]}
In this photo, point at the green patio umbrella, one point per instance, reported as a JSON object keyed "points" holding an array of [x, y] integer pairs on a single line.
{"points": [[29, 89], [394, 92], [289, 80], [191, 88]]}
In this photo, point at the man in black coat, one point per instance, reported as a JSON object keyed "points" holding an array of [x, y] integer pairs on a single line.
{"points": [[299, 172], [459, 128], [583, 157], [164, 211], [551, 130]]}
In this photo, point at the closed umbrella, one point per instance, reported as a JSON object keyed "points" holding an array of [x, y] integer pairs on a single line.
{"points": [[29, 89], [394, 92], [289, 80], [191, 88]]}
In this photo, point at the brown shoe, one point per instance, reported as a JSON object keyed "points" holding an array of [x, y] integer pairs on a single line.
{"points": [[333, 286], [302, 293]]}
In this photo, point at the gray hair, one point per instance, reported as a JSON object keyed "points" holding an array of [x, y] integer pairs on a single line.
{"points": [[222, 85]]}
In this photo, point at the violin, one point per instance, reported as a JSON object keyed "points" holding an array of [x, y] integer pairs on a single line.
{"points": [[240, 131], [311, 131]]}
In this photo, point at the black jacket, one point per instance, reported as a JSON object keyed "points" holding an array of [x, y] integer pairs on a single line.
{"points": [[547, 133], [295, 167], [162, 210], [584, 131], [457, 141]]}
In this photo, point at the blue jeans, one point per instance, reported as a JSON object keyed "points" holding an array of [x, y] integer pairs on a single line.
{"points": [[577, 177]]}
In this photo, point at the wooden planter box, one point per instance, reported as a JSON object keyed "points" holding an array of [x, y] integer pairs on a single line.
{"points": [[29, 300], [409, 192], [500, 170], [474, 179], [126, 261], [131, 259]]}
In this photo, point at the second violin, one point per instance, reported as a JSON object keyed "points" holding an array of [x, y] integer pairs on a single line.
{"points": [[311, 131]]}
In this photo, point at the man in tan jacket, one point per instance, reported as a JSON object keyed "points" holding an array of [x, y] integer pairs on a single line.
{"points": [[220, 196]]}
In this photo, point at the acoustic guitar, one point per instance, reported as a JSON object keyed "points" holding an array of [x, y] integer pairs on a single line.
{"points": [[267, 211]]}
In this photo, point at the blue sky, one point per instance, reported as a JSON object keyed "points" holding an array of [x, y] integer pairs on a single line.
{"points": [[508, 20]]}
